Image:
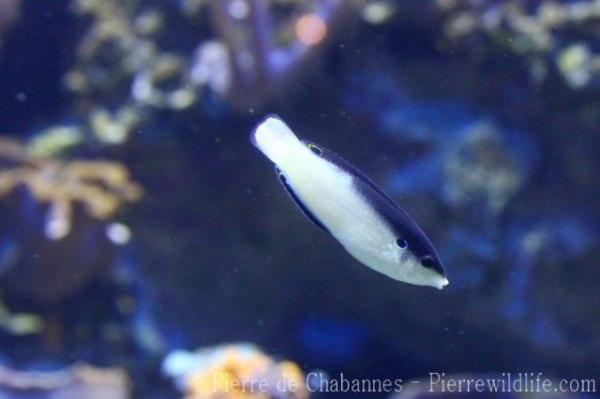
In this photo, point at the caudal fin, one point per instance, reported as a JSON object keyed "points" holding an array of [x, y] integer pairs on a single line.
{"points": [[274, 138]]}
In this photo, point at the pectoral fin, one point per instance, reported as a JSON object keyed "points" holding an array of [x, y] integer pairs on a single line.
{"points": [[298, 202]]}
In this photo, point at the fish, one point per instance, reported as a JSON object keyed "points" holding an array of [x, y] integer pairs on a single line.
{"points": [[339, 199]]}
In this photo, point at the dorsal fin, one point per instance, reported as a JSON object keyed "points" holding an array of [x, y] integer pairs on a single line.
{"points": [[299, 203]]}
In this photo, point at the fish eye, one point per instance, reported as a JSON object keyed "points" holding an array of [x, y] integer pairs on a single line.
{"points": [[315, 149], [427, 261], [401, 242]]}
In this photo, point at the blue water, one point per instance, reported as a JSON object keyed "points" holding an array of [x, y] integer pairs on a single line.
{"points": [[146, 222]]}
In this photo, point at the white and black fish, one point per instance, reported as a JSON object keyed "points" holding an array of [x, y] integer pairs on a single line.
{"points": [[339, 199]]}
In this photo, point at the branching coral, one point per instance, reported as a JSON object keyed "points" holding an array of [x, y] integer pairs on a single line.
{"points": [[261, 66], [251, 58], [119, 52], [238, 371], [100, 186], [113, 49], [547, 33]]}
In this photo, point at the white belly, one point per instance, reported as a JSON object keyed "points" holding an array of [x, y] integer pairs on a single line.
{"points": [[329, 193]]}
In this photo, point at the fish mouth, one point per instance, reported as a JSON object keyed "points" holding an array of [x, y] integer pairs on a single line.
{"points": [[442, 283]]}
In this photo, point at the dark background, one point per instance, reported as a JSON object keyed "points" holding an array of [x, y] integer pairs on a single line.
{"points": [[489, 139]]}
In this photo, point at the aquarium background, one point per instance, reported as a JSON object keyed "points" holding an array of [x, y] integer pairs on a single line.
{"points": [[146, 246]]}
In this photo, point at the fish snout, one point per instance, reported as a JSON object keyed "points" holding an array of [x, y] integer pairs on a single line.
{"points": [[434, 265]]}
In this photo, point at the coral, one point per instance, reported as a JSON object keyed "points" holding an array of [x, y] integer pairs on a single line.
{"points": [[164, 84], [378, 12], [113, 128], [501, 173], [20, 323], [481, 167], [126, 75], [234, 371], [251, 58], [477, 166], [100, 186], [78, 381], [54, 141], [265, 60], [549, 34], [113, 49]]}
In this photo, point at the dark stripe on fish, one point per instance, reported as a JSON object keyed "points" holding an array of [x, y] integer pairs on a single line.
{"points": [[298, 202], [400, 222]]}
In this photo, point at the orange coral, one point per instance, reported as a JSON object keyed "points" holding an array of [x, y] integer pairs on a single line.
{"points": [[238, 372], [100, 186], [230, 375]]}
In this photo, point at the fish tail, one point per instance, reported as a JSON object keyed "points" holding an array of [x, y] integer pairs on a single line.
{"points": [[275, 139]]}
